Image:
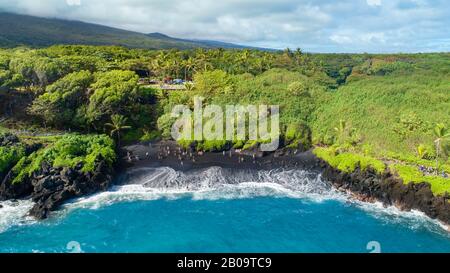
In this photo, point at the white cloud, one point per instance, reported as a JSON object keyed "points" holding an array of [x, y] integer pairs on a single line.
{"points": [[369, 38], [374, 2], [320, 25], [73, 2], [341, 39], [373, 37]]}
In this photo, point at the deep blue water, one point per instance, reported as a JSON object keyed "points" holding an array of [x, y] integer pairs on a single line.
{"points": [[264, 224], [291, 211]]}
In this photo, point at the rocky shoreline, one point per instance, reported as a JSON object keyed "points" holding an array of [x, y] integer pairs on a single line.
{"points": [[369, 186], [51, 187], [366, 186]]}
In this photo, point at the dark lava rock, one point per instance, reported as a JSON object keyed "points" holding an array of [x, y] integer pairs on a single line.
{"points": [[8, 139], [59, 185], [50, 187], [391, 191], [8, 190]]}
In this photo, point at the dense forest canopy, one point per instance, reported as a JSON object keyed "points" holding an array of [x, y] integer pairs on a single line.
{"points": [[381, 105]]}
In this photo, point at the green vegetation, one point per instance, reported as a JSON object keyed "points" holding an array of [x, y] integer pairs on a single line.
{"points": [[407, 173], [370, 110], [348, 162], [114, 93], [395, 112], [67, 151], [9, 156], [58, 106], [117, 125], [440, 132]]}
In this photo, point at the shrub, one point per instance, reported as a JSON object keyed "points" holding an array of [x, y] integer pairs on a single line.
{"points": [[348, 162], [298, 134], [9, 156], [212, 145], [68, 151], [407, 173], [150, 135]]}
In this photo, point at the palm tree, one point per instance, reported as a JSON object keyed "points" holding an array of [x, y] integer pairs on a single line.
{"points": [[259, 65], [117, 126], [440, 131], [189, 86], [188, 66], [267, 60], [298, 54], [203, 59], [243, 59], [341, 130]]}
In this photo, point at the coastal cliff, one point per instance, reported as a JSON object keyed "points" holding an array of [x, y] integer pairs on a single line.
{"points": [[370, 186], [69, 167], [373, 183], [50, 186]]}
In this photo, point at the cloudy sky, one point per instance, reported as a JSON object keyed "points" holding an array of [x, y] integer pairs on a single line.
{"points": [[313, 25]]}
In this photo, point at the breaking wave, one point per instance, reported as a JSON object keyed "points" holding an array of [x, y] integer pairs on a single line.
{"points": [[217, 183], [14, 213], [211, 184]]}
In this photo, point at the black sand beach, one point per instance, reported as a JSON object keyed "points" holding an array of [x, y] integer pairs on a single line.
{"points": [[168, 153]]}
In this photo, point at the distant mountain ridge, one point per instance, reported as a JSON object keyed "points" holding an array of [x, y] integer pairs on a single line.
{"points": [[18, 30]]}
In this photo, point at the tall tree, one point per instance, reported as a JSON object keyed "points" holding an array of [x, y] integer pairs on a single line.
{"points": [[59, 104], [117, 125], [114, 92], [341, 131], [188, 64], [441, 134]]}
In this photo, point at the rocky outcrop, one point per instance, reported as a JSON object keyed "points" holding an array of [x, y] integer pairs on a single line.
{"points": [[391, 191], [7, 140], [9, 190], [50, 186]]}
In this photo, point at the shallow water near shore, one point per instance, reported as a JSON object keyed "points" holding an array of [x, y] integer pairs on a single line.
{"points": [[220, 210]]}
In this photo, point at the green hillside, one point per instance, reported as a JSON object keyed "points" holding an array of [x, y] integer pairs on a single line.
{"points": [[383, 111], [17, 30], [393, 101]]}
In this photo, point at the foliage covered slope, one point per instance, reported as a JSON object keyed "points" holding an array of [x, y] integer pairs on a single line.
{"points": [[381, 107], [17, 30], [393, 111]]}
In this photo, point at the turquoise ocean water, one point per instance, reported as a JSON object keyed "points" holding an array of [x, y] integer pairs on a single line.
{"points": [[220, 210]]}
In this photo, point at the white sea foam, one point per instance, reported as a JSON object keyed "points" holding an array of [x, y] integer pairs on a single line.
{"points": [[14, 213], [413, 219], [217, 183], [212, 184]]}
